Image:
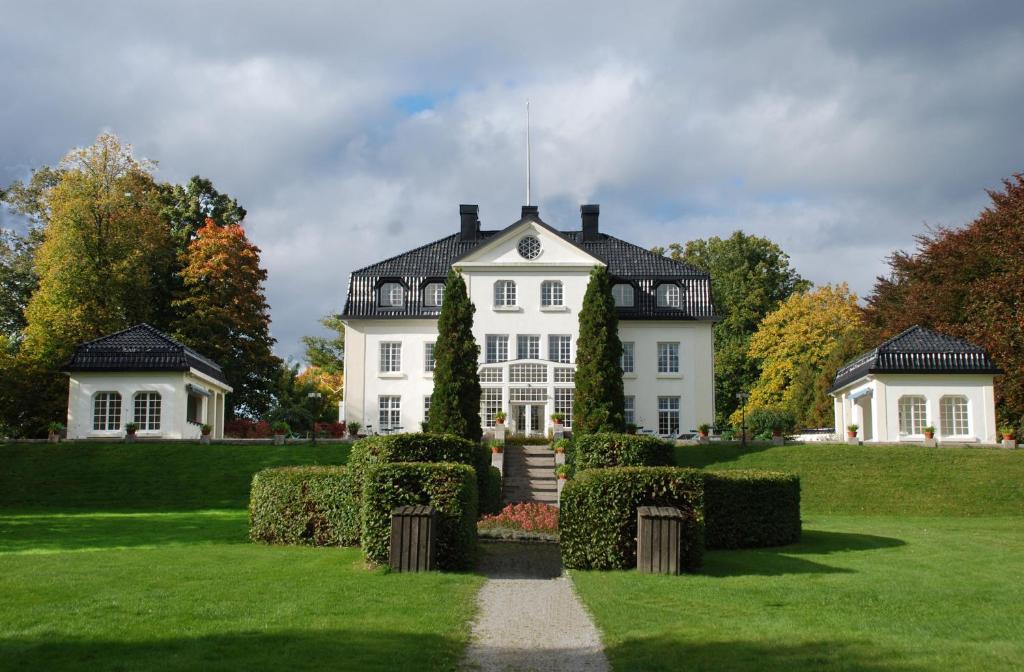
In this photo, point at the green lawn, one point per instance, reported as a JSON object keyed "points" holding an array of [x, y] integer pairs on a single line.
{"points": [[912, 559], [93, 577]]}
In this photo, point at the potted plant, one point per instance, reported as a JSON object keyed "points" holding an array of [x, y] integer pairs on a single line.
{"points": [[704, 429], [205, 430], [562, 471], [280, 428], [354, 427], [557, 418], [929, 432], [851, 431], [630, 428], [561, 445], [496, 447], [53, 432], [129, 431], [499, 417], [1007, 432]]}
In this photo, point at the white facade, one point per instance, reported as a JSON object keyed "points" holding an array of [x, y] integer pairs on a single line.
{"points": [[895, 407], [526, 368], [101, 403]]}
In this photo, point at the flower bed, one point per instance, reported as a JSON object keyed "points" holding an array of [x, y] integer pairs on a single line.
{"points": [[525, 517]]}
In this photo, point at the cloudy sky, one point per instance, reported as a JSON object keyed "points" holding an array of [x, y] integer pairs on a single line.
{"points": [[352, 131]]}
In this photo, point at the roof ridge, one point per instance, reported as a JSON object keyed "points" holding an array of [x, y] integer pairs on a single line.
{"points": [[693, 270], [402, 254]]}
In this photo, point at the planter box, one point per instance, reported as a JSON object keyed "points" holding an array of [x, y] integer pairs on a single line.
{"points": [[561, 484], [778, 440], [658, 540], [413, 539], [703, 439], [499, 432], [204, 439], [1009, 443], [930, 443], [853, 440], [559, 458], [498, 462], [278, 439], [129, 438], [558, 431]]}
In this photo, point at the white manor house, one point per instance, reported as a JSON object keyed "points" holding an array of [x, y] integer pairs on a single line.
{"points": [[527, 282]]}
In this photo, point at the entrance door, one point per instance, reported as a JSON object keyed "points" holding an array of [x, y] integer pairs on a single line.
{"points": [[536, 419], [518, 413]]}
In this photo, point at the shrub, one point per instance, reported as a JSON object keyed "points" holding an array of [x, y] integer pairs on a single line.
{"points": [[620, 450], [597, 524], [243, 428], [490, 496], [280, 427], [449, 488], [524, 516], [335, 430], [526, 440], [765, 421], [410, 448], [751, 509], [303, 505]]}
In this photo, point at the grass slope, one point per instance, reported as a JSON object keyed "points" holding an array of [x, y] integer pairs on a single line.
{"points": [[94, 577], [143, 476], [884, 480]]}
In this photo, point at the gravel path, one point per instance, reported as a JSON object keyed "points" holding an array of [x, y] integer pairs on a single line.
{"points": [[529, 617]]}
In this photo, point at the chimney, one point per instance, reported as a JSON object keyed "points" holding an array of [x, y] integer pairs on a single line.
{"points": [[531, 212], [470, 216], [589, 214]]}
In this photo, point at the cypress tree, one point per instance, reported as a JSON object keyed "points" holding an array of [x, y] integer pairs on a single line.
{"points": [[455, 405], [598, 404]]}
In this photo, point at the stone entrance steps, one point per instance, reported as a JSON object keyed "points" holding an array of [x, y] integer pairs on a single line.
{"points": [[529, 475]]}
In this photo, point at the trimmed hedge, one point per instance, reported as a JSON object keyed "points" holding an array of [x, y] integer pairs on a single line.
{"points": [[597, 520], [606, 449], [490, 496], [751, 509], [449, 488], [304, 505]]}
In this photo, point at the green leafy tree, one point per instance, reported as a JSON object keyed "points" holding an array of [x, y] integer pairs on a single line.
{"points": [[598, 403], [750, 277], [188, 207], [455, 405], [18, 280], [226, 317], [290, 400], [327, 353]]}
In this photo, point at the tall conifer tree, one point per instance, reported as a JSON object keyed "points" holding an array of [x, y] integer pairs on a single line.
{"points": [[599, 403], [455, 405]]}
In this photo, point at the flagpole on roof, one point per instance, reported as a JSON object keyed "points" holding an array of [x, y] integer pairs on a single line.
{"points": [[528, 152]]}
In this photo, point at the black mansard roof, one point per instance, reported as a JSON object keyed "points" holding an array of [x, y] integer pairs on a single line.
{"points": [[626, 263], [918, 350], [141, 348]]}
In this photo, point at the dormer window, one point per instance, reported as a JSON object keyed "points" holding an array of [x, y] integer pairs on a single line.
{"points": [[668, 295], [391, 295], [623, 295], [433, 294], [505, 293]]}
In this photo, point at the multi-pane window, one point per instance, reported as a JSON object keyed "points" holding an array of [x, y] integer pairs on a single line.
{"points": [[428, 357], [629, 407], [528, 373], [426, 408], [390, 415], [390, 357], [559, 347], [563, 404], [106, 412], [496, 348], [668, 416], [551, 293], [527, 347], [623, 295], [627, 363], [564, 374], [490, 401], [491, 374], [433, 294], [527, 394], [147, 411], [668, 358], [668, 295], [953, 416], [913, 412], [505, 293], [392, 295]]}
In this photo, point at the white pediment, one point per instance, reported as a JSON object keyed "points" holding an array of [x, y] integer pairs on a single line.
{"points": [[512, 247]]}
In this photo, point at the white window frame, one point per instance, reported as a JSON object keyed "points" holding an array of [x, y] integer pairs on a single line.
{"points": [[552, 293], [628, 360], [560, 348], [491, 400], [622, 297], [629, 409], [955, 415], [429, 359], [563, 404], [495, 348], [389, 411], [668, 413], [433, 294], [390, 357], [391, 295], [668, 295], [668, 358], [528, 344], [505, 293], [107, 409], [527, 373], [151, 410], [427, 398], [912, 410]]}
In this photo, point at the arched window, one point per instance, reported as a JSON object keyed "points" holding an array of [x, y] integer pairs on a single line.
{"points": [[622, 293], [953, 416], [505, 293], [668, 295], [147, 411], [551, 293], [392, 295], [433, 294], [913, 411], [106, 412]]}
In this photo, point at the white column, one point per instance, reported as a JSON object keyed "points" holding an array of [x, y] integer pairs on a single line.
{"points": [[528, 430]]}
